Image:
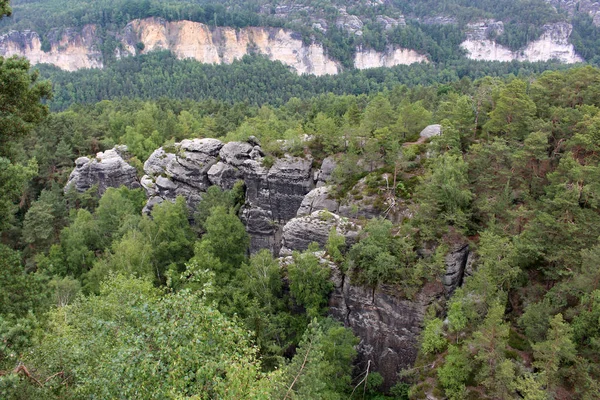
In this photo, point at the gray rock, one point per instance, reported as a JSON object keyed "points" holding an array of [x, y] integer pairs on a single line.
{"points": [[318, 199], [182, 171], [273, 195], [264, 232], [456, 263], [300, 232], [431, 131], [223, 175], [207, 146], [389, 327], [389, 23], [288, 180], [361, 205], [235, 153], [323, 175], [152, 201], [108, 169], [350, 23]]}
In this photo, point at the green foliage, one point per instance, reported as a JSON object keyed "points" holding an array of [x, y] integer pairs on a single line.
{"points": [[214, 197], [514, 111], [21, 95], [5, 9], [22, 292], [13, 178], [557, 349], [309, 283], [444, 194], [336, 246], [433, 340], [380, 256], [227, 240], [321, 367], [258, 81], [135, 350], [454, 374]]}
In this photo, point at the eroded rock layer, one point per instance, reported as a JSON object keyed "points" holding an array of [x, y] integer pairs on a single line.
{"points": [[273, 194], [76, 49]]}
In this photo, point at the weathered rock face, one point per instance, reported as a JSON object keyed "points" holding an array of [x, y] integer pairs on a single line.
{"points": [[70, 50], [369, 58], [273, 195], [300, 232], [219, 45], [183, 171], [387, 325], [553, 44], [323, 174], [456, 264], [318, 199], [77, 49], [107, 169]]}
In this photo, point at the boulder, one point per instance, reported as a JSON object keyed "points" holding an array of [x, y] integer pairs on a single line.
{"points": [[235, 153], [107, 169], [223, 175], [300, 232], [318, 199], [431, 131]]}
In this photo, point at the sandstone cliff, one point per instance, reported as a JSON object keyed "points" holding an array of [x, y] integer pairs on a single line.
{"points": [[70, 50], [73, 50], [553, 44]]}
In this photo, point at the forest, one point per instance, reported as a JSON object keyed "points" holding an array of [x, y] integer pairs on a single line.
{"points": [[515, 174], [100, 299], [254, 79]]}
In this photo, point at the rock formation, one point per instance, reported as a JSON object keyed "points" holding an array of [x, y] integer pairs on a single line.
{"points": [[300, 232], [457, 262], [553, 44], [369, 58], [388, 326], [273, 194], [431, 131], [284, 212], [572, 7], [107, 169], [77, 49]]}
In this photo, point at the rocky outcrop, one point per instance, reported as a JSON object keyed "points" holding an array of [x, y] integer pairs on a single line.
{"points": [[273, 195], [456, 264], [323, 174], [180, 171], [223, 45], [300, 232], [107, 169], [76, 49], [68, 49], [369, 58], [431, 131], [388, 326], [553, 44], [318, 199]]}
